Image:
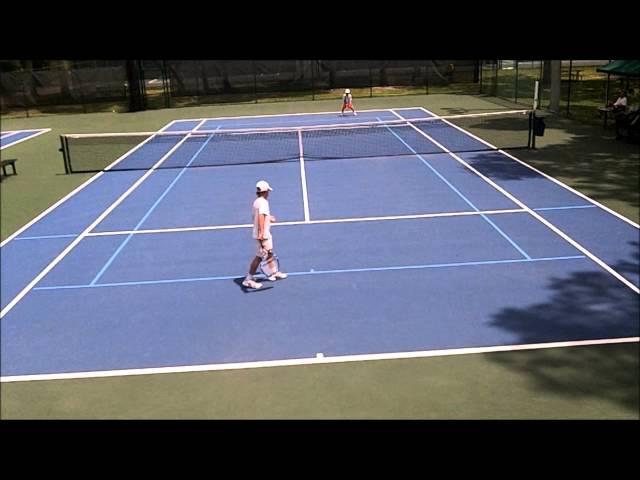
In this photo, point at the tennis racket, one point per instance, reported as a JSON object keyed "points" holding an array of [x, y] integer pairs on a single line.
{"points": [[269, 264]]}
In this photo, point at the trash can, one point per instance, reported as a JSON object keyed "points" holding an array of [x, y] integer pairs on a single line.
{"points": [[538, 126]]}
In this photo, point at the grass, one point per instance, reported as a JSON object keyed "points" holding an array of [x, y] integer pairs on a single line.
{"points": [[575, 383]]}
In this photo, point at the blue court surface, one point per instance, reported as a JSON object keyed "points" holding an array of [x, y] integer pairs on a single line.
{"points": [[391, 256], [10, 138]]}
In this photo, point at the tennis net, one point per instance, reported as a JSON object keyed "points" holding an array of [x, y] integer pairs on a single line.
{"points": [[402, 137]]}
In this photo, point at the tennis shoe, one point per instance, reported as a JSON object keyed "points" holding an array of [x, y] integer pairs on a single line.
{"points": [[277, 276], [249, 283]]}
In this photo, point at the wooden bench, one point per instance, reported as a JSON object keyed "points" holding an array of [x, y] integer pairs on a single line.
{"points": [[9, 162]]}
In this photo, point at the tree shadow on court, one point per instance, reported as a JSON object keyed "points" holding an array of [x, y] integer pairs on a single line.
{"points": [[585, 305], [593, 161], [585, 156], [497, 166], [238, 281]]}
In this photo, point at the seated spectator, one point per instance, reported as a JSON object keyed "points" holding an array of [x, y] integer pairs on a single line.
{"points": [[628, 124], [620, 105]]}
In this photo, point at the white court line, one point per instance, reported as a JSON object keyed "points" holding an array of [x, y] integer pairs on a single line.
{"points": [[535, 215], [169, 124], [400, 116], [77, 240], [305, 222], [22, 130], [285, 129], [333, 220], [313, 360], [39, 130], [70, 194], [407, 108], [303, 179], [246, 131], [554, 180], [558, 182], [445, 118], [336, 112], [279, 115], [345, 126], [463, 197]]}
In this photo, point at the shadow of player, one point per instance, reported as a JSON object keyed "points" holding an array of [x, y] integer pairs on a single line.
{"points": [[238, 281]]}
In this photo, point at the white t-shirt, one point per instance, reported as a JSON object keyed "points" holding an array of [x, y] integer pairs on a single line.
{"points": [[621, 102], [261, 207]]}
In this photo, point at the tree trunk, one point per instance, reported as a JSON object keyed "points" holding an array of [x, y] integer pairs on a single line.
{"points": [[555, 77]]}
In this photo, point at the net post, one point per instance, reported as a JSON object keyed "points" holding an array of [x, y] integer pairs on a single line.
{"points": [[65, 154], [536, 104]]}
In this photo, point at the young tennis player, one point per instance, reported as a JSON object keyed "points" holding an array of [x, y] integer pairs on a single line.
{"points": [[262, 220], [347, 102]]}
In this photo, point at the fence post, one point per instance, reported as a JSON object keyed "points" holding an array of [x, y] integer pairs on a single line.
{"points": [[516, 85], [370, 82], [313, 79], [426, 78], [166, 85], [83, 98], [426, 72], [569, 88], [255, 82], [24, 95], [136, 89]]}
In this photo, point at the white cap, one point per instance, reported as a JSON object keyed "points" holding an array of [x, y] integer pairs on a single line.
{"points": [[263, 186], [347, 91]]}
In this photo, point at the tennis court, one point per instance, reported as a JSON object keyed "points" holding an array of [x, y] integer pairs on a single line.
{"points": [[404, 234], [13, 137]]}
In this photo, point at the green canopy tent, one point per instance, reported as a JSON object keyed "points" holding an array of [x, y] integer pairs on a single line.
{"points": [[622, 68]]}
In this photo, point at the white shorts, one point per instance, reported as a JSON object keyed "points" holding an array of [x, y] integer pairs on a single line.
{"points": [[262, 247]]}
